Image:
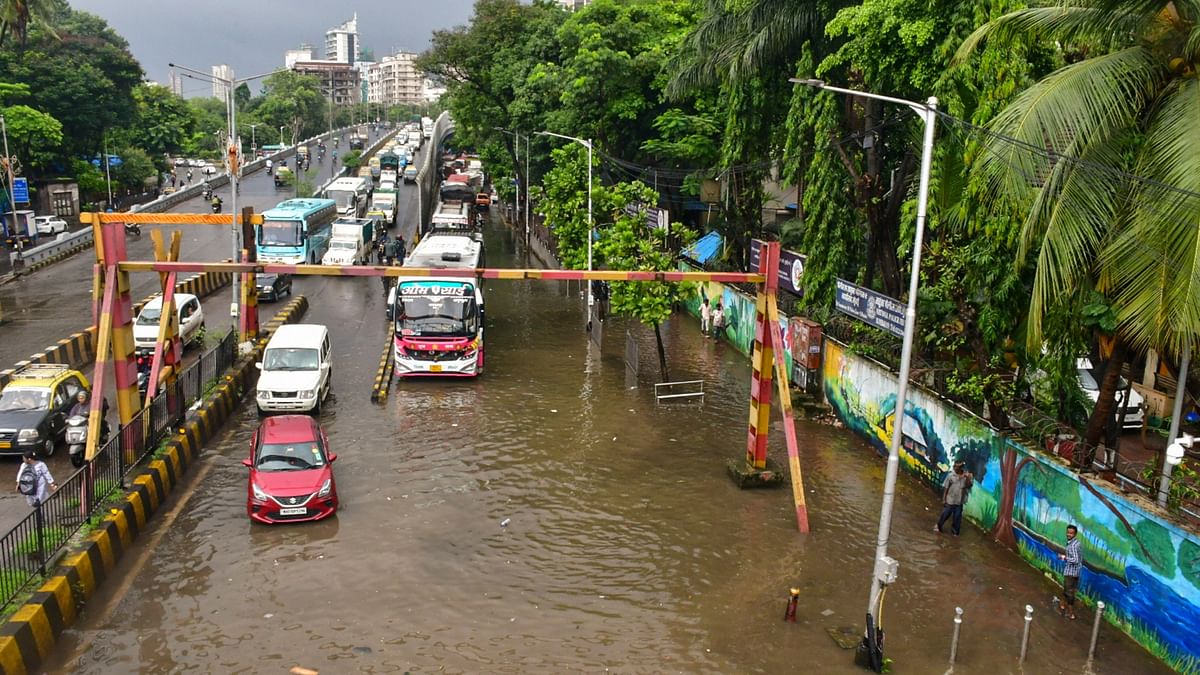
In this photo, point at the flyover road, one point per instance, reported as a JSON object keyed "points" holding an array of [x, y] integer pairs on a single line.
{"points": [[547, 518], [54, 302]]}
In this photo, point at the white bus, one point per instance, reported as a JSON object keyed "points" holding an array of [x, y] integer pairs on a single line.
{"points": [[439, 320]]}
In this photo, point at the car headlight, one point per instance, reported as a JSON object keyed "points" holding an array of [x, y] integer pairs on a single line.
{"points": [[264, 395], [27, 435], [326, 488], [258, 493], [307, 393]]}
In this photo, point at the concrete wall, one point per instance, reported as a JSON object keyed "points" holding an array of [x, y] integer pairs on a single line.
{"points": [[29, 635], [739, 313], [1137, 560]]}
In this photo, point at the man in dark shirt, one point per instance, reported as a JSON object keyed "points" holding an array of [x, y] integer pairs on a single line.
{"points": [[954, 495], [1073, 565]]}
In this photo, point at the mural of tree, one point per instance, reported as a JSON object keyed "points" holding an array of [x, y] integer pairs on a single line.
{"points": [[1189, 561], [1010, 472], [1157, 549]]}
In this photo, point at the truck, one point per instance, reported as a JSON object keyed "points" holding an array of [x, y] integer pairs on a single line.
{"points": [[351, 195], [383, 205], [453, 214], [21, 228], [351, 242], [427, 127]]}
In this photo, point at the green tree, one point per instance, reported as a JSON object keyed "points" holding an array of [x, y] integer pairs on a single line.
{"points": [[162, 125], [135, 169], [16, 17], [629, 243], [352, 160], [294, 101], [1125, 101], [34, 137], [565, 205]]}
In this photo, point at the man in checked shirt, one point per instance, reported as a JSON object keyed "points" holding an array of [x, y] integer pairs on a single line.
{"points": [[1073, 558]]}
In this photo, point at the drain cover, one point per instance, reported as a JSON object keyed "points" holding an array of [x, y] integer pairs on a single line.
{"points": [[846, 637]]}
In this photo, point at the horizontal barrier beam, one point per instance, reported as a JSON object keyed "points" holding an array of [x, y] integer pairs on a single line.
{"points": [[486, 273], [167, 218]]}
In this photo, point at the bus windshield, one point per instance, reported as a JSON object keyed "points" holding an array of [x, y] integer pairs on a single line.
{"points": [[280, 233], [344, 198], [420, 313]]}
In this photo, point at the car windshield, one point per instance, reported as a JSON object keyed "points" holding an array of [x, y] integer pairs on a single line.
{"points": [[289, 456], [281, 358], [266, 279], [149, 316], [421, 315], [344, 198], [279, 233], [24, 399], [350, 245]]}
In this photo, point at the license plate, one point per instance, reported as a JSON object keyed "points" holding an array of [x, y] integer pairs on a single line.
{"points": [[5, 444], [296, 511], [435, 368]]}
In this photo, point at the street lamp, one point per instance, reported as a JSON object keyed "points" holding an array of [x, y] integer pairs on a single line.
{"points": [[884, 567], [516, 147], [253, 143], [587, 143], [281, 128], [232, 157]]}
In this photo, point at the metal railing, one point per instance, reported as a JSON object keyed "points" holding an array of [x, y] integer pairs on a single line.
{"points": [[29, 550]]}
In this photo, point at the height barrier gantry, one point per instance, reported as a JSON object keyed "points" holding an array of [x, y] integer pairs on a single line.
{"points": [[112, 308]]}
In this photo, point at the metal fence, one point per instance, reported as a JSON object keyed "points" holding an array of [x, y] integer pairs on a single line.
{"points": [[29, 549]]}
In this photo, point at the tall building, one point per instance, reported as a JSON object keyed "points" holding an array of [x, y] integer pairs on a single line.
{"points": [[432, 90], [573, 5], [175, 83], [221, 72], [395, 80], [341, 43], [291, 56], [338, 80]]}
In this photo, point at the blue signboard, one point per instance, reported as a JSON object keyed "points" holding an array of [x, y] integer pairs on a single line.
{"points": [[875, 309], [20, 188]]}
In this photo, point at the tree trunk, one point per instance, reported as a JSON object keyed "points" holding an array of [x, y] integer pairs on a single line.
{"points": [[1002, 531], [662, 354], [1103, 412]]}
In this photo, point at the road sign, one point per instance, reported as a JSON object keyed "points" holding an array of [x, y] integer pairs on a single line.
{"points": [[875, 309], [21, 190]]}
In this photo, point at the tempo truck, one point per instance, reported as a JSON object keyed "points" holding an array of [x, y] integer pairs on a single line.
{"points": [[383, 205], [351, 242]]}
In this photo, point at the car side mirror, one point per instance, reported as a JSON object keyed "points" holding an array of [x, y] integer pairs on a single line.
{"points": [[258, 365], [332, 458], [325, 366], [247, 463]]}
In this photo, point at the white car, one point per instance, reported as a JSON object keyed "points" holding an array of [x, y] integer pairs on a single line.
{"points": [[1135, 407], [190, 315], [50, 224]]}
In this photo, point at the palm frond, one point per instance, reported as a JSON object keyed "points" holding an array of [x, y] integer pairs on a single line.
{"points": [[1062, 23]]}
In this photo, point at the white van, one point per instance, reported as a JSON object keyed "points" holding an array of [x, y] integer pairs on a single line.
{"points": [[296, 369]]}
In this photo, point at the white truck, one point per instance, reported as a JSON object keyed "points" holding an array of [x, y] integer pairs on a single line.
{"points": [[351, 242], [427, 127], [383, 205]]}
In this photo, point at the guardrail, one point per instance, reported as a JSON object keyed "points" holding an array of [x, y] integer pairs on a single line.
{"points": [[442, 127], [365, 154], [65, 241], [29, 549]]}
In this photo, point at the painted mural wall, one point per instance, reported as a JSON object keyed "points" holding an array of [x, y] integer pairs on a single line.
{"points": [[1145, 568], [739, 313]]}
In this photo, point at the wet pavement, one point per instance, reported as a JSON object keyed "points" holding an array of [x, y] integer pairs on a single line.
{"points": [[626, 549], [50, 304]]}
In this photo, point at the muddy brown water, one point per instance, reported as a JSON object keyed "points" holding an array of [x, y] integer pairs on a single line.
{"points": [[627, 549]]}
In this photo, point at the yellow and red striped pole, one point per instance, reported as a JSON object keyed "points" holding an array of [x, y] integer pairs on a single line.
{"points": [[762, 360]]}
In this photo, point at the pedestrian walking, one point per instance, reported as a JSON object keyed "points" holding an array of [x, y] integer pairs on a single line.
{"points": [[189, 176], [34, 479], [718, 320], [955, 488], [705, 316], [1073, 565]]}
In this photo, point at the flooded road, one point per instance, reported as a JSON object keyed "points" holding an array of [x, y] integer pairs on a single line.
{"points": [[627, 548]]}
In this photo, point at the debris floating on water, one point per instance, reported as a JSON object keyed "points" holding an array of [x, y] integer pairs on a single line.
{"points": [[827, 612], [505, 522], [297, 670], [554, 410]]}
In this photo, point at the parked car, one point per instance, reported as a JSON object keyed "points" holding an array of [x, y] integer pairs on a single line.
{"points": [[291, 471], [50, 225], [271, 287], [34, 407], [190, 315], [1089, 377]]}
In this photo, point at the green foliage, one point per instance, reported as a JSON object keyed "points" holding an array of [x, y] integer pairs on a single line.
{"points": [[162, 125], [292, 101], [33, 136], [90, 179], [1185, 483], [352, 160], [1189, 561], [565, 205], [136, 167], [1157, 541]]}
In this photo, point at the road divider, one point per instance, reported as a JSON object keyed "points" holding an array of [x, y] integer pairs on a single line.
{"points": [[29, 635], [383, 376], [79, 349]]}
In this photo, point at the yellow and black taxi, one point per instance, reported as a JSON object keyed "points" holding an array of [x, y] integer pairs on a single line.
{"points": [[34, 407]]}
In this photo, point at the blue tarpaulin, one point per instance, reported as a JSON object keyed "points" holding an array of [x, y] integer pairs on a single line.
{"points": [[705, 249]]}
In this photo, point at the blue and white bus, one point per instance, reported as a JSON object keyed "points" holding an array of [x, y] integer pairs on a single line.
{"points": [[296, 231]]}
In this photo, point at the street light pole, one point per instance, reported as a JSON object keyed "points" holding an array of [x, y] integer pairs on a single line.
{"points": [[587, 143], [253, 140], [884, 568], [12, 190]]}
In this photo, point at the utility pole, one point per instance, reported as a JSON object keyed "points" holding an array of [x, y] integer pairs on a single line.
{"points": [[12, 191]]}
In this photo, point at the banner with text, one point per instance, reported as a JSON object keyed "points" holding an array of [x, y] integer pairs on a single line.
{"points": [[875, 309], [791, 268]]}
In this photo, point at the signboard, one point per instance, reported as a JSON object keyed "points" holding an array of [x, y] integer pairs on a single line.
{"points": [[875, 309], [20, 188], [655, 218], [423, 288], [791, 268]]}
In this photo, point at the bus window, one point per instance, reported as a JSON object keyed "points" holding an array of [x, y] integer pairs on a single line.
{"points": [[280, 233]]}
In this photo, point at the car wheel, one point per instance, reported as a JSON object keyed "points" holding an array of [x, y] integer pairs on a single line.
{"points": [[316, 409], [48, 447]]}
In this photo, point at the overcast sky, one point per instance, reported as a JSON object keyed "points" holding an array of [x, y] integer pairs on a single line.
{"points": [[252, 35]]}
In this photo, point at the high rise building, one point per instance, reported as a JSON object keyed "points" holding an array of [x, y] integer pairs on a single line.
{"points": [[395, 80], [338, 80], [573, 5], [341, 43], [291, 56], [175, 83], [222, 72]]}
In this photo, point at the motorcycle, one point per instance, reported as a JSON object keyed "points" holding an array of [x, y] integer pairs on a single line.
{"points": [[206, 194], [76, 438], [216, 207], [134, 229]]}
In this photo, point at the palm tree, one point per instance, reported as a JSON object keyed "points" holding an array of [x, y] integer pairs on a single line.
{"points": [[1101, 160], [16, 17]]}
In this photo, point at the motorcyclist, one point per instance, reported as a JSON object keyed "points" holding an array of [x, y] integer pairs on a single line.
{"points": [[83, 406], [268, 167], [206, 191], [401, 249], [390, 249], [216, 203]]}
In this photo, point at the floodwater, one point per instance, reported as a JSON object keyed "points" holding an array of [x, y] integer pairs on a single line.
{"points": [[626, 549]]}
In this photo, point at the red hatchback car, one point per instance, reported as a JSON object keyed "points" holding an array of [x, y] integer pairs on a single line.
{"points": [[291, 472]]}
